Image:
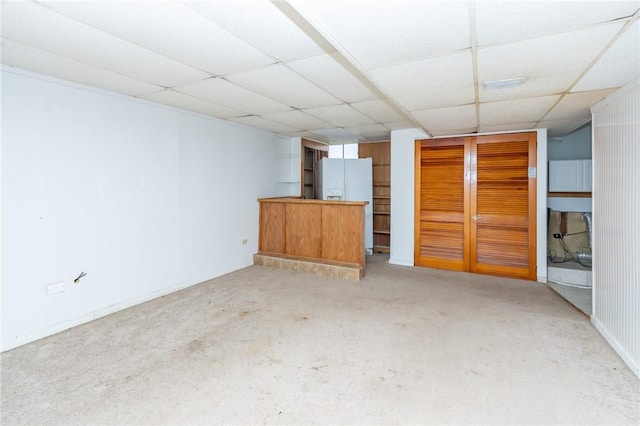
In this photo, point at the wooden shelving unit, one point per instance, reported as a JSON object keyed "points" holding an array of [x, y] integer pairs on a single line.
{"points": [[380, 154], [311, 153]]}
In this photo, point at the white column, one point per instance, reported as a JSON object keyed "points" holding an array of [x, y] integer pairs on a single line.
{"points": [[402, 194]]}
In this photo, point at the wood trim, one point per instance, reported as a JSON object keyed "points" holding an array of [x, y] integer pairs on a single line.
{"points": [[297, 200], [441, 142], [533, 207], [470, 163], [417, 179], [569, 194], [318, 146]]}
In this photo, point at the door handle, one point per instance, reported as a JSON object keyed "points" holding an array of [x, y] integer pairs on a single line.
{"points": [[476, 218]]}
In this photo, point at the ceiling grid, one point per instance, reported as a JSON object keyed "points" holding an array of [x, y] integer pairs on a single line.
{"points": [[340, 71]]}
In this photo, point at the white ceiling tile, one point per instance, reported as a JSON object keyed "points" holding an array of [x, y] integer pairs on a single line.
{"points": [[299, 120], [338, 134], [264, 124], [25, 57], [506, 127], [283, 85], [453, 132], [328, 74], [371, 132], [397, 125], [340, 115], [432, 83], [447, 119], [550, 64], [619, 65], [378, 110], [504, 21], [383, 33], [36, 26], [180, 100], [262, 25], [577, 105], [222, 92], [171, 29], [307, 135], [515, 111], [559, 128]]}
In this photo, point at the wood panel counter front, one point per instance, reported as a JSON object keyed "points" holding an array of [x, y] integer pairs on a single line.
{"points": [[314, 230]]}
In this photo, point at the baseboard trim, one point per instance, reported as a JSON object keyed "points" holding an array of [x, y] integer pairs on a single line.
{"points": [[401, 262], [633, 364]]}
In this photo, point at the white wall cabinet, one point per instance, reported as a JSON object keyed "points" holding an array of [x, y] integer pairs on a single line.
{"points": [[570, 176]]}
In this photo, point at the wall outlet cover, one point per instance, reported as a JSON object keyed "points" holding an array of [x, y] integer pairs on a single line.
{"points": [[56, 287]]}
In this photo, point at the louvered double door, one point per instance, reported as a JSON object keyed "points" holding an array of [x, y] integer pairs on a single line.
{"points": [[476, 204]]}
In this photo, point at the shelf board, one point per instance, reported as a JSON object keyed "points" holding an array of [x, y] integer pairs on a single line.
{"points": [[381, 212], [381, 249], [381, 184], [381, 231], [307, 169], [382, 197]]}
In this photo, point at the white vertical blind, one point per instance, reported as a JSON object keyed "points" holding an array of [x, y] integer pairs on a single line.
{"points": [[616, 215]]}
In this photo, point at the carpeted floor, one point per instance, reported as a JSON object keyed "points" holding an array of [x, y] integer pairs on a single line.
{"points": [[405, 345]]}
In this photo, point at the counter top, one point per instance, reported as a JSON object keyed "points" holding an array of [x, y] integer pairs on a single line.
{"points": [[297, 200]]}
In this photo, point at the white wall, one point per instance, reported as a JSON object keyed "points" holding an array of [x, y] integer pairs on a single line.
{"points": [[574, 146], [402, 194], [616, 209], [402, 198], [144, 198]]}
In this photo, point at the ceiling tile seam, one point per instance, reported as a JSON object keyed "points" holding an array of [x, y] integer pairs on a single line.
{"points": [[338, 124], [88, 65], [44, 5], [473, 35], [313, 83], [595, 60], [197, 99], [275, 59], [349, 104], [291, 125], [366, 115], [320, 35], [556, 33], [277, 100], [176, 88]]}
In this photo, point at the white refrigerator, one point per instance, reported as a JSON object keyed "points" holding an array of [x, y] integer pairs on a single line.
{"points": [[349, 180]]}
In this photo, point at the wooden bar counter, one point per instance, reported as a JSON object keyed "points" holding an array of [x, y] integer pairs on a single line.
{"points": [[328, 233]]}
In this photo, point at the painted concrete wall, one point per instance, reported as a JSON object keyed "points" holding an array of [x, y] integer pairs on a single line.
{"points": [[144, 198], [402, 198]]}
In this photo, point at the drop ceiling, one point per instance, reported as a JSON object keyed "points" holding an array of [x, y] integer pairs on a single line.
{"points": [[340, 71]]}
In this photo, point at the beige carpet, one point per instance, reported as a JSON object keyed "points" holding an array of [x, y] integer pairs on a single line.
{"points": [[405, 345]]}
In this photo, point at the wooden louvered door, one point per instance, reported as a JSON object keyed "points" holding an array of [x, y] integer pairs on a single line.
{"points": [[476, 204], [442, 204], [503, 205]]}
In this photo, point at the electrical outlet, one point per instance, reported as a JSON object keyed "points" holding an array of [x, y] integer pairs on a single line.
{"points": [[244, 241], [56, 287]]}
